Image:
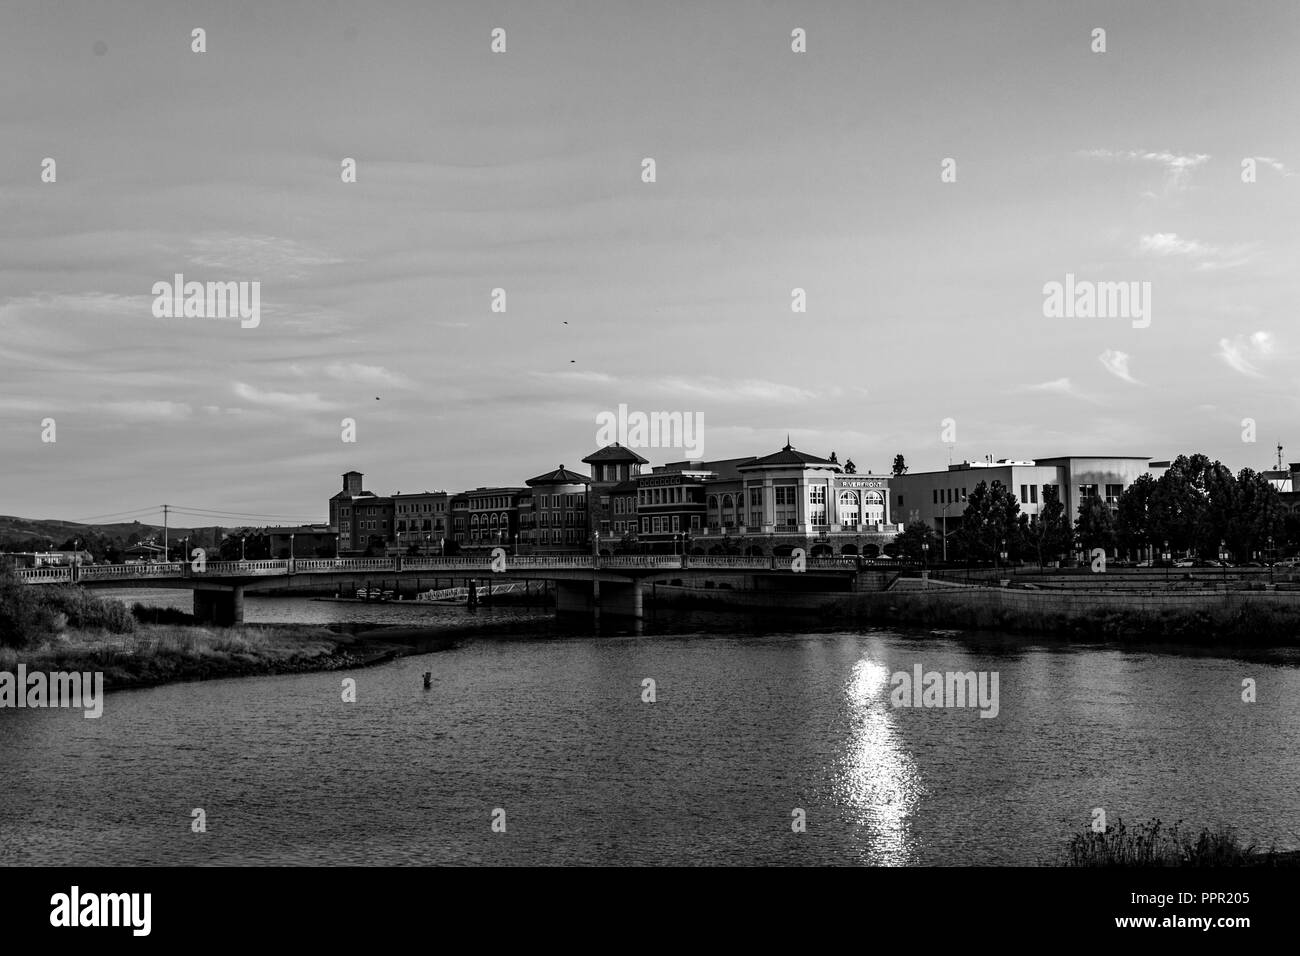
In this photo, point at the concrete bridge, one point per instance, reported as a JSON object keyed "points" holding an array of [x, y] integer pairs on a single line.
{"points": [[582, 582]]}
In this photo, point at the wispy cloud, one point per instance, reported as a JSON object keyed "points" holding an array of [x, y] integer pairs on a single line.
{"points": [[1206, 256], [1058, 386], [287, 401], [1116, 363], [1242, 352], [355, 373], [1275, 164], [1177, 166], [145, 410], [257, 256]]}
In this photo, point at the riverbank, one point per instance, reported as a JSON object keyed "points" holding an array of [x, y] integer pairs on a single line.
{"points": [[1213, 617], [157, 654]]}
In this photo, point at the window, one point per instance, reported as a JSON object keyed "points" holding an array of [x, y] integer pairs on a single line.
{"points": [[1113, 493], [1024, 492], [1087, 491], [900, 501], [695, 522], [645, 525], [1033, 494], [677, 523]]}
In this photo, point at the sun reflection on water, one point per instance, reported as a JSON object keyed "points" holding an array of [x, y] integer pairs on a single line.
{"points": [[877, 779]]}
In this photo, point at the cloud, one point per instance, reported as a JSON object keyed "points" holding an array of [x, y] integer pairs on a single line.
{"points": [[357, 374], [1208, 257], [1242, 352], [290, 401], [1276, 164], [737, 390], [1178, 167], [1058, 386], [1116, 363], [257, 256], [145, 410]]}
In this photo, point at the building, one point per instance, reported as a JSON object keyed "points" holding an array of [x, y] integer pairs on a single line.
{"points": [[559, 513], [459, 507], [612, 467], [790, 499], [420, 521], [671, 505], [940, 497], [363, 520], [492, 517], [303, 541]]}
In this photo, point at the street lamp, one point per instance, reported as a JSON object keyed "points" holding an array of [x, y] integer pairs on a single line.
{"points": [[944, 531], [1165, 558], [925, 555], [1223, 559], [291, 537], [1002, 550], [241, 547]]}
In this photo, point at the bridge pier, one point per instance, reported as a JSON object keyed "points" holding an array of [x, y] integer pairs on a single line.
{"points": [[621, 600], [222, 608]]}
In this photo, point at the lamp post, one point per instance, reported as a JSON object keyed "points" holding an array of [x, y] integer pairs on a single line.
{"points": [[1002, 550], [291, 537], [925, 555], [1223, 560], [1164, 555], [944, 531], [241, 548]]}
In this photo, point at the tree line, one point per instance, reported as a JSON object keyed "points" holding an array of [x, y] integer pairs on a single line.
{"points": [[1196, 507]]}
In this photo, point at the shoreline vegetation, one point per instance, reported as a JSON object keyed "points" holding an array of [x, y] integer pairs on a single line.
{"points": [[66, 628], [1218, 620], [1153, 843]]}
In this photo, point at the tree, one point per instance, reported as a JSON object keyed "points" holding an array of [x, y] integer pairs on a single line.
{"points": [[1258, 515], [1133, 517], [991, 519], [1051, 533], [909, 544], [1095, 527], [900, 465]]}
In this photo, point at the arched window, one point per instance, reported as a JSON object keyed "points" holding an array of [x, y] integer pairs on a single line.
{"points": [[849, 508]]}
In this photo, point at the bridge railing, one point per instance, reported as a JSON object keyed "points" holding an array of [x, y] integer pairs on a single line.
{"points": [[642, 561], [246, 567], [107, 572], [44, 575]]}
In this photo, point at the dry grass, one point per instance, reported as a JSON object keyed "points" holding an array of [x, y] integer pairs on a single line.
{"points": [[157, 653], [1156, 844]]}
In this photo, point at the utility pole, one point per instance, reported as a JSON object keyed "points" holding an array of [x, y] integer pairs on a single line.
{"points": [[166, 550]]}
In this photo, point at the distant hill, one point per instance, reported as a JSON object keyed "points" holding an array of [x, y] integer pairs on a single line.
{"points": [[21, 534]]}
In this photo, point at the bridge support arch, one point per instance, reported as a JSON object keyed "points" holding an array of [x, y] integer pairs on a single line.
{"points": [[222, 608]]}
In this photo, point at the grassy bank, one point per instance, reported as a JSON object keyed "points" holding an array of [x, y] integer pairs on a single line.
{"points": [[1211, 623], [162, 653]]}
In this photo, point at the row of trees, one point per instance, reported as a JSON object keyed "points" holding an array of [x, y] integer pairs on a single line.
{"points": [[1196, 505]]}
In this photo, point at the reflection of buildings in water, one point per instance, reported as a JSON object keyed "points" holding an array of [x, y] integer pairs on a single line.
{"points": [[877, 778]]}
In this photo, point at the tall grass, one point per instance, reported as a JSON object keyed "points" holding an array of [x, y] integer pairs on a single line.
{"points": [[1154, 843]]}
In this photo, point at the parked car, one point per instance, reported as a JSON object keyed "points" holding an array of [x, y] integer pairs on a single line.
{"points": [[1185, 563]]}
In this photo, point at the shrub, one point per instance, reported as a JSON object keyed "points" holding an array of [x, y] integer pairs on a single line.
{"points": [[84, 610], [22, 620], [160, 615]]}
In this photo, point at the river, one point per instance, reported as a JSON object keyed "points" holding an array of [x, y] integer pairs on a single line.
{"points": [[750, 724]]}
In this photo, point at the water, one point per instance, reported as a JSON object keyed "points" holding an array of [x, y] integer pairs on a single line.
{"points": [[747, 726]]}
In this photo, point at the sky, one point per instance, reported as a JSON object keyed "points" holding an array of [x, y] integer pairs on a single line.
{"points": [[523, 171]]}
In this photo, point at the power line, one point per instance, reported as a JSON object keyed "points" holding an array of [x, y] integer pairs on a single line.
{"points": [[207, 512], [118, 514]]}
